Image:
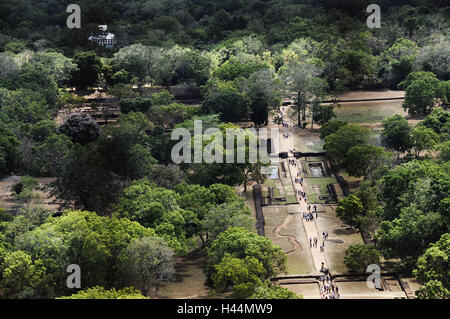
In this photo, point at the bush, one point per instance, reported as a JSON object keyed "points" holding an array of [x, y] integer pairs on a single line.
{"points": [[4, 215], [135, 105], [358, 257], [81, 128]]}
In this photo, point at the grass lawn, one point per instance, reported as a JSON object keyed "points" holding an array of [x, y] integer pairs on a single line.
{"points": [[270, 182], [341, 237], [321, 182], [369, 112], [299, 261]]}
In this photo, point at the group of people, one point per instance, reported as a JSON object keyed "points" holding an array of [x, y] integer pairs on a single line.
{"points": [[293, 162], [329, 291], [299, 180], [313, 242], [286, 135], [314, 208], [301, 194], [309, 217]]}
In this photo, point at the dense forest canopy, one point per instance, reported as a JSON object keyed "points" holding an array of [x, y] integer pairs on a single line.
{"points": [[202, 23]]}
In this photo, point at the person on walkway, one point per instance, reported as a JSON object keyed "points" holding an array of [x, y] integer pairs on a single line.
{"points": [[310, 242]]}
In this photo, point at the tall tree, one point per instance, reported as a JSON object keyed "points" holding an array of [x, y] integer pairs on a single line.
{"points": [[149, 263], [88, 68], [301, 79], [396, 133]]}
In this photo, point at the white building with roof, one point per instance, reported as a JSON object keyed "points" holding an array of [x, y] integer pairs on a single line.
{"points": [[106, 39]]}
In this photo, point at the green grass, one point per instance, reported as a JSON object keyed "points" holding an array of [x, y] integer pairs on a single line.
{"points": [[311, 145], [271, 182], [313, 197], [368, 112]]}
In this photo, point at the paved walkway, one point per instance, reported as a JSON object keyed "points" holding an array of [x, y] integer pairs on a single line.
{"points": [[287, 144]]}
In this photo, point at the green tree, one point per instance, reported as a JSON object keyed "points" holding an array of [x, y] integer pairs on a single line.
{"points": [[240, 65], [263, 91], [149, 263], [445, 151], [240, 243], [88, 69], [363, 160], [444, 93], [400, 58], [423, 138], [274, 292], [433, 289], [158, 208], [301, 79], [407, 236], [244, 275], [338, 144], [350, 209], [322, 114], [102, 293], [142, 105], [42, 130], [136, 59], [51, 155], [145, 203], [222, 217], [21, 276], [421, 96], [86, 181], [229, 103], [415, 76], [39, 78], [433, 265], [330, 127], [396, 133], [60, 66], [93, 242], [438, 120], [358, 257], [406, 184]]}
